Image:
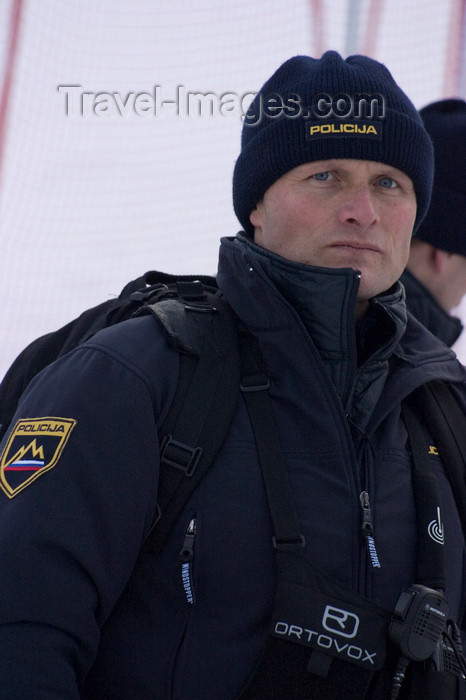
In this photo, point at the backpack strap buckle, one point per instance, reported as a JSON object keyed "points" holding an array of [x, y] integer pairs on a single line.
{"points": [[179, 455], [254, 382], [295, 545]]}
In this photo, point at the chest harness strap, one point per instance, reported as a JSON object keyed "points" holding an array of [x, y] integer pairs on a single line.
{"points": [[326, 641]]}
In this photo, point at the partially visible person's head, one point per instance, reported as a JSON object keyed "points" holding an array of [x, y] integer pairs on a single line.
{"points": [[335, 169], [329, 108], [444, 225], [438, 251]]}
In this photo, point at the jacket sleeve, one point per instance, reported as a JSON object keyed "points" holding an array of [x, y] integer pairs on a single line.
{"points": [[78, 469]]}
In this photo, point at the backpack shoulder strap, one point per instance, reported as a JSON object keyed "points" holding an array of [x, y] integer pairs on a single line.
{"points": [[202, 328], [447, 422]]}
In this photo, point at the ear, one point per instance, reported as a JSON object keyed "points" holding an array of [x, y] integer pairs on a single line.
{"points": [[440, 259], [255, 217]]}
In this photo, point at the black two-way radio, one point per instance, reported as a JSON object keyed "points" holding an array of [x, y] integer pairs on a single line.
{"points": [[418, 624], [419, 618]]}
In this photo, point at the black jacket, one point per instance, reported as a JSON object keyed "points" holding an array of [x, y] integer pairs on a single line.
{"points": [[70, 539]]}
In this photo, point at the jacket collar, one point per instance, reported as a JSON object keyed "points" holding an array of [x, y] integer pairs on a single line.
{"points": [[355, 357], [414, 355]]}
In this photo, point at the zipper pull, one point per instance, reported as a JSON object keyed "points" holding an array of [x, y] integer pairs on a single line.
{"points": [[368, 529], [187, 558], [187, 551]]}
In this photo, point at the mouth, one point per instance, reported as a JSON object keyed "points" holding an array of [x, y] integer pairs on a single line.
{"points": [[355, 245]]}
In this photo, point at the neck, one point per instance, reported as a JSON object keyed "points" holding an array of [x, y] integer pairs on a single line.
{"points": [[360, 309]]}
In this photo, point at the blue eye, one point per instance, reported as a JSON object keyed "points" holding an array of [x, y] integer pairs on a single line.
{"points": [[388, 182], [322, 177]]}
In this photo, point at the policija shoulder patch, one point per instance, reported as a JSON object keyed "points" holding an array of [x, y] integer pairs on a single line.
{"points": [[33, 448]]}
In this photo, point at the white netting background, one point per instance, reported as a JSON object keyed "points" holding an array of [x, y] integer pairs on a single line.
{"points": [[89, 202]]}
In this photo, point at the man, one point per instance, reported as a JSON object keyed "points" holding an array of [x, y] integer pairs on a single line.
{"points": [[435, 279], [334, 174]]}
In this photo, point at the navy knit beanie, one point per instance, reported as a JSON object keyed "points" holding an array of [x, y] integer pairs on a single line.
{"points": [[445, 223], [318, 109]]}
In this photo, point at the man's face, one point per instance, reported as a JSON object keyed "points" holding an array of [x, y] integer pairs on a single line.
{"points": [[341, 213]]}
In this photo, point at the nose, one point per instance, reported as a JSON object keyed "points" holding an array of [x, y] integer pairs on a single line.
{"points": [[357, 208]]}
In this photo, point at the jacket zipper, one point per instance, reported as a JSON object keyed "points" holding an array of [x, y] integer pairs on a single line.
{"points": [[350, 382], [368, 549], [187, 559], [368, 530]]}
